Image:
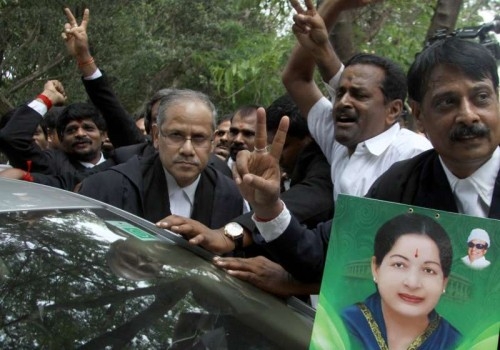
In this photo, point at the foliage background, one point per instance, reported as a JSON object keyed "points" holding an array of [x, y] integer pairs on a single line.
{"points": [[232, 50]]}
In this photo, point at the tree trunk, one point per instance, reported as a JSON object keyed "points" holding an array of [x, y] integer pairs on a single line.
{"points": [[342, 36], [445, 16]]}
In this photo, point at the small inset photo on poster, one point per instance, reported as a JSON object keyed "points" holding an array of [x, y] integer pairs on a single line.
{"points": [[405, 277]]}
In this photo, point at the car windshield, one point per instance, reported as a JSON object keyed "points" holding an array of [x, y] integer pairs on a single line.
{"points": [[89, 278]]}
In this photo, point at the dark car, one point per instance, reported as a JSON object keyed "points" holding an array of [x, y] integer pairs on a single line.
{"points": [[78, 273]]}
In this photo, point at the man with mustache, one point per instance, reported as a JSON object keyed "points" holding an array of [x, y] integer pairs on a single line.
{"points": [[221, 137], [242, 131], [453, 89], [176, 179], [81, 131], [309, 182], [80, 127], [359, 133], [362, 141], [121, 128], [86, 134]]}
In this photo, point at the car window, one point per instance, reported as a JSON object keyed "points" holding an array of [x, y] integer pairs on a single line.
{"points": [[93, 279]]}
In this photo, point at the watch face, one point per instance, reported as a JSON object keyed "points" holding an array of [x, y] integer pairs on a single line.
{"points": [[234, 229]]}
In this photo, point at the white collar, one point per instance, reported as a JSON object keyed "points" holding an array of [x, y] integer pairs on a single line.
{"points": [[91, 165], [483, 179], [173, 187], [378, 144]]}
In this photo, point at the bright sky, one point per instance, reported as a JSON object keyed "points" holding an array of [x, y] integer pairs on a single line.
{"points": [[488, 17]]}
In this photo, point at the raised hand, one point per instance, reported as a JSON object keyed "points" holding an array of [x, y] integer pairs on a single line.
{"points": [[54, 90], [309, 28], [75, 36], [257, 174]]}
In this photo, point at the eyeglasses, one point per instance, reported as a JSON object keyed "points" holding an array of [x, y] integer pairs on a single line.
{"points": [[477, 245], [175, 139]]}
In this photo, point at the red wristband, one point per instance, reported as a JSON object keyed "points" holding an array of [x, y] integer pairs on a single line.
{"points": [[262, 220], [85, 63], [27, 177], [46, 101]]}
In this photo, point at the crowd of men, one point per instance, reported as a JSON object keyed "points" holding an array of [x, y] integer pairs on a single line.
{"points": [[258, 186]]}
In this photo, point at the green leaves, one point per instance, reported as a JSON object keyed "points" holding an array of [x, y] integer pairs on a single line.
{"points": [[232, 50]]}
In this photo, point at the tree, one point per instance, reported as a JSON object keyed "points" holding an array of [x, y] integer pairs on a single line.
{"points": [[232, 50], [398, 31], [445, 16], [147, 45]]}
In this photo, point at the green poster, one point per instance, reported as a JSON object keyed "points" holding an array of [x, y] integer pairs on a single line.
{"points": [[387, 288]]}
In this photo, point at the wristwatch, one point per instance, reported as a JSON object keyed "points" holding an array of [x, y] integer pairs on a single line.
{"points": [[234, 232]]}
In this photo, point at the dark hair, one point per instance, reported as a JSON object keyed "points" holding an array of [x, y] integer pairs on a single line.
{"points": [[471, 58], [52, 116], [223, 118], [79, 111], [394, 84], [148, 118], [245, 111], [284, 105], [403, 224], [43, 125]]}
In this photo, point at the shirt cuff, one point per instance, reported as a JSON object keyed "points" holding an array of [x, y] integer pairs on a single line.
{"points": [[38, 107], [270, 230], [95, 75], [333, 84]]}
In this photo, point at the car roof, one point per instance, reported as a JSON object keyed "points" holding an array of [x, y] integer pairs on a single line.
{"points": [[48, 232], [19, 195]]}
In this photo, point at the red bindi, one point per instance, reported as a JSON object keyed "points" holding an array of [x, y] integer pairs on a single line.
{"points": [[416, 253]]}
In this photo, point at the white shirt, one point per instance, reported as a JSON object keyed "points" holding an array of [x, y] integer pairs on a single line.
{"points": [[483, 181], [354, 175], [230, 163], [181, 198], [91, 165], [478, 264], [38, 107]]}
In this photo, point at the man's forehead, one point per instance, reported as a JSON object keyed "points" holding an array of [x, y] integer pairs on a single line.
{"points": [[247, 118], [187, 123], [244, 124], [226, 124], [360, 73], [446, 76], [84, 121]]}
